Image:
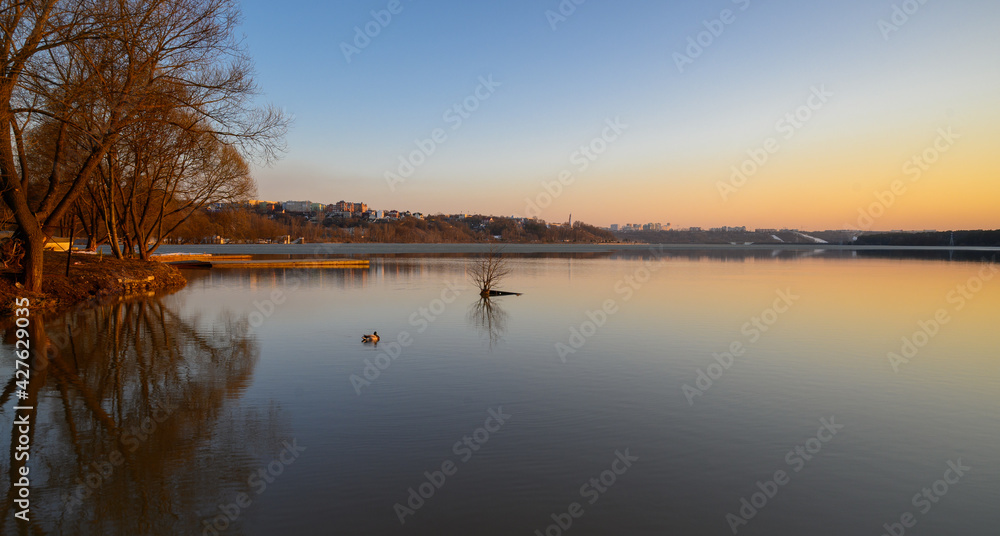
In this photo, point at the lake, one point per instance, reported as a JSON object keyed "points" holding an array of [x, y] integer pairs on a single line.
{"points": [[626, 391]]}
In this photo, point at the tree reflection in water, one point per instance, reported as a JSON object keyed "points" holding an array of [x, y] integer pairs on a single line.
{"points": [[489, 318], [137, 426]]}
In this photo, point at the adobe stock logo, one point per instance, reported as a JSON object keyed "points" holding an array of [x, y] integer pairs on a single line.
{"points": [[959, 297], [582, 159], [453, 117], [914, 168], [363, 35], [714, 29], [901, 14], [592, 490], [788, 126], [566, 9], [924, 500], [796, 459], [753, 330], [434, 480]]}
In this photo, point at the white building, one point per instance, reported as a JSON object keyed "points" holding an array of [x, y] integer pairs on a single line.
{"points": [[297, 206]]}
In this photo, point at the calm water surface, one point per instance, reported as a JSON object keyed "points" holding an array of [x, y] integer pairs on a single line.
{"points": [[602, 399]]}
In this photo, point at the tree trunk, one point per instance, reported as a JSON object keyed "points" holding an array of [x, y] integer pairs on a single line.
{"points": [[111, 223], [28, 232], [34, 246]]}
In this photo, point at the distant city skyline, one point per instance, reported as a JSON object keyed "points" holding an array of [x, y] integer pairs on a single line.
{"points": [[734, 112], [349, 207]]}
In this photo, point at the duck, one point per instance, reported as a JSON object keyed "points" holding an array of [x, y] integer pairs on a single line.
{"points": [[370, 338]]}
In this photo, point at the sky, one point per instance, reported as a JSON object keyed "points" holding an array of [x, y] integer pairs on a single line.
{"points": [[855, 114]]}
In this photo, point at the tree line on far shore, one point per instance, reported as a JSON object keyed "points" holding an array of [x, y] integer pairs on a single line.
{"points": [[982, 238], [247, 226]]}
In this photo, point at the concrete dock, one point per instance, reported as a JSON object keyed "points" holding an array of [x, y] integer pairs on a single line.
{"points": [[293, 263], [198, 257], [247, 261]]}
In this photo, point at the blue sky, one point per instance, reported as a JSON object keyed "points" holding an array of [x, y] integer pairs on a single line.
{"points": [[557, 87]]}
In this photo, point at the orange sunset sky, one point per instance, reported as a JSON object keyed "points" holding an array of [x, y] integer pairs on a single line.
{"points": [[513, 92]]}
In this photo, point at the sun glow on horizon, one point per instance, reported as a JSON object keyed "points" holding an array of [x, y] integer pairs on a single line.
{"points": [[819, 120]]}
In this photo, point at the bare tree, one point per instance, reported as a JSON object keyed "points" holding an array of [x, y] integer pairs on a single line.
{"points": [[97, 69], [157, 177], [29, 30], [489, 270]]}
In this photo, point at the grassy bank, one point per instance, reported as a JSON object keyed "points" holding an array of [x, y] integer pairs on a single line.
{"points": [[91, 278]]}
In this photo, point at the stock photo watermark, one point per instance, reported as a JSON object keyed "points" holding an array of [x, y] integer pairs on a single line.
{"points": [[453, 118], [901, 14], [592, 490], [20, 449], [99, 472], [786, 127], [258, 482], [421, 319], [373, 368], [562, 13], [927, 497], [366, 33], [958, 298], [753, 330], [626, 287], [714, 28], [796, 460], [581, 159], [914, 168], [464, 449]]}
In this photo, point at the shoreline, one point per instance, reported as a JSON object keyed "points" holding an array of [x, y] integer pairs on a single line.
{"points": [[470, 248], [92, 279]]}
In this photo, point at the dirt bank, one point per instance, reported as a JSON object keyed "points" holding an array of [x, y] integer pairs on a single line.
{"points": [[90, 278]]}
